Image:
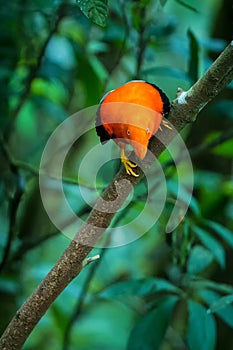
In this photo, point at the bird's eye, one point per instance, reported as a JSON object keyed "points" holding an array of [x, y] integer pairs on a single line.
{"points": [[128, 132], [147, 130]]}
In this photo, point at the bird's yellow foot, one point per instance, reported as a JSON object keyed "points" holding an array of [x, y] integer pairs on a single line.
{"points": [[128, 167], [128, 164], [166, 124]]}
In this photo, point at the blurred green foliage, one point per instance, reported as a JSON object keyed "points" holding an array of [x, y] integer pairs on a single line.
{"points": [[162, 291]]}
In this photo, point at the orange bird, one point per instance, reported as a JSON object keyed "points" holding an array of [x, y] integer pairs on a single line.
{"points": [[132, 114]]}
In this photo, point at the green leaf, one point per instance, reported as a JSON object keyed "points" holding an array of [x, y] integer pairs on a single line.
{"points": [[201, 332], [212, 245], [95, 10], [230, 85], [189, 7], [184, 195], [199, 259], [59, 317], [98, 67], [198, 283], [222, 231], [52, 90], [219, 305], [193, 69], [195, 207], [139, 287], [150, 331], [225, 149], [70, 28]]}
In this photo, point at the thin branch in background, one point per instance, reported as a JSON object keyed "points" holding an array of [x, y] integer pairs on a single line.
{"points": [[28, 246], [13, 207], [209, 145], [123, 43], [13, 204], [25, 247], [15, 167], [82, 297], [35, 69], [202, 148], [142, 42], [81, 300], [21, 165]]}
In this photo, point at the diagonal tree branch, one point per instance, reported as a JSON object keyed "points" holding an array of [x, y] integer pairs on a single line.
{"points": [[184, 110]]}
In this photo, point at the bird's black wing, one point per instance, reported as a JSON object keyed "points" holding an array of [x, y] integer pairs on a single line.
{"points": [[100, 130], [166, 102]]}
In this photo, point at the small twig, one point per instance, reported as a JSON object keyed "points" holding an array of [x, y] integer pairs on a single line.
{"points": [[90, 260], [82, 297]]}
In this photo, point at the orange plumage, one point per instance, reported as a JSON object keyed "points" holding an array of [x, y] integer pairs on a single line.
{"points": [[131, 114]]}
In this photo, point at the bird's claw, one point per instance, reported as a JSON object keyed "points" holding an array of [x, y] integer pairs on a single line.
{"points": [[166, 124], [128, 167], [128, 164]]}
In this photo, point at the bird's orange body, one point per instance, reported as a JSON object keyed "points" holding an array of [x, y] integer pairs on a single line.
{"points": [[132, 114]]}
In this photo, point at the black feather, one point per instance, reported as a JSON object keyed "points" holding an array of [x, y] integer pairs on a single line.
{"points": [[100, 130], [166, 102]]}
